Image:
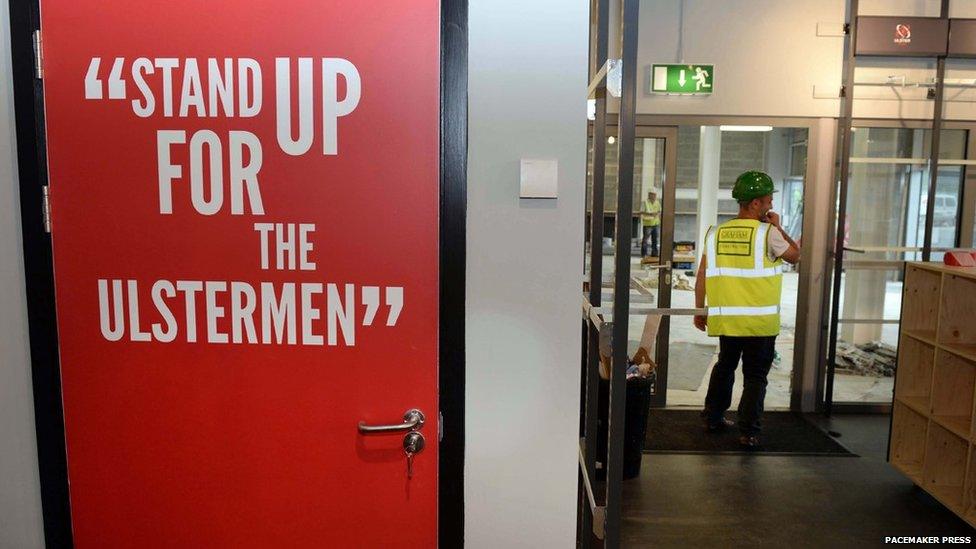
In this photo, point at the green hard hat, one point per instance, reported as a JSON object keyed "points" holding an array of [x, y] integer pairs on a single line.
{"points": [[752, 184]]}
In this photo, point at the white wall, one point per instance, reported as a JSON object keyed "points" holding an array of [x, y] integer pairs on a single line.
{"points": [[527, 99], [769, 59], [766, 53], [20, 497]]}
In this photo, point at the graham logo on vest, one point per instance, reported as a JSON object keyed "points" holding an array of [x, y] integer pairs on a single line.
{"points": [[735, 241]]}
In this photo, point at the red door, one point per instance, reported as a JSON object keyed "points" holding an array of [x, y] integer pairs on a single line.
{"points": [[244, 204]]}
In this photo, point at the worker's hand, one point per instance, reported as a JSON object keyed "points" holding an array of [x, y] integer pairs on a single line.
{"points": [[701, 322], [772, 218]]}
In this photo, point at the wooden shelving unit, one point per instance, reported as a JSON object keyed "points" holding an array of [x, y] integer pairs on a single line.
{"points": [[933, 417]]}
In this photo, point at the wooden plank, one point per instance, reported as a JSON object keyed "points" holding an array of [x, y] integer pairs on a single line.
{"points": [[969, 494], [958, 425], [915, 365], [952, 387], [920, 305], [967, 352], [924, 336], [913, 472], [944, 469], [919, 404], [965, 272], [956, 322], [908, 430]]}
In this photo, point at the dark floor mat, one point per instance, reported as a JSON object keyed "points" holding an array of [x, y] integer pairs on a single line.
{"points": [[681, 431]]}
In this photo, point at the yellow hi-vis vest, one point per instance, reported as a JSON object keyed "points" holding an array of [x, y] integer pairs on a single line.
{"points": [[651, 208], [743, 285]]}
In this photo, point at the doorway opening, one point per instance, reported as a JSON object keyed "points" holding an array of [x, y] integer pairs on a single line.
{"points": [[703, 166]]}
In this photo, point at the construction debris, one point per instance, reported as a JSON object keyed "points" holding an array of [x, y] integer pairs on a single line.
{"points": [[874, 359], [682, 282], [679, 281]]}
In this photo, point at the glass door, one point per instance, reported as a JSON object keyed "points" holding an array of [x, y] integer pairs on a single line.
{"points": [[887, 199], [652, 230]]}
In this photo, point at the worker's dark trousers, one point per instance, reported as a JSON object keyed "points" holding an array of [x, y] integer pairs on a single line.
{"points": [[757, 357], [651, 232]]}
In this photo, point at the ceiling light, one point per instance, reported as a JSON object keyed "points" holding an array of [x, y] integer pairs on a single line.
{"points": [[611, 140], [746, 128]]}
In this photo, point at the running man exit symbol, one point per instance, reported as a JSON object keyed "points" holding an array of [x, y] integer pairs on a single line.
{"points": [[682, 79], [701, 79]]}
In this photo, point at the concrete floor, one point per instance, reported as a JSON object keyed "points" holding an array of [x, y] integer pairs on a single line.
{"points": [[682, 330], [782, 501], [847, 388]]}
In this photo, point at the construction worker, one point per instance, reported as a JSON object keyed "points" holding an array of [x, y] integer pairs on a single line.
{"points": [[740, 277], [650, 216]]}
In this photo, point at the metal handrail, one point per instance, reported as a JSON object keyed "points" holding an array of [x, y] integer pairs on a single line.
{"points": [[868, 321], [866, 249], [590, 314], [599, 80], [663, 311], [598, 511]]}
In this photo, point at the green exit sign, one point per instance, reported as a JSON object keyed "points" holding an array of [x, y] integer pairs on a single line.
{"points": [[682, 79]]}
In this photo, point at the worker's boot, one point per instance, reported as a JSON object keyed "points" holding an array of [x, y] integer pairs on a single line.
{"points": [[750, 442], [721, 425]]}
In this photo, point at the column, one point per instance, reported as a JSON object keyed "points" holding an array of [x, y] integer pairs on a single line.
{"points": [[709, 164]]}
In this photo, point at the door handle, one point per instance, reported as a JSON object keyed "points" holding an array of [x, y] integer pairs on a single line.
{"points": [[413, 420]]}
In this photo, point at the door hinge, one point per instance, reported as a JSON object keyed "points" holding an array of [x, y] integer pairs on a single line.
{"points": [[440, 427], [38, 56], [46, 207]]}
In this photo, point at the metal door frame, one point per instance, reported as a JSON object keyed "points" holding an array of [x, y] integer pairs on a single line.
{"points": [[602, 516], [666, 256]]}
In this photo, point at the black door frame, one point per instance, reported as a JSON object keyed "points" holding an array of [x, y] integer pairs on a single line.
{"points": [[39, 273]]}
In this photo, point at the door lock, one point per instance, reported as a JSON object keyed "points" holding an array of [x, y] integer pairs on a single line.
{"points": [[413, 444]]}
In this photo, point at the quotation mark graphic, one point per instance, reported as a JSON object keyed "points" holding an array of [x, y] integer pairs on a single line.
{"points": [[95, 87], [371, 298]]}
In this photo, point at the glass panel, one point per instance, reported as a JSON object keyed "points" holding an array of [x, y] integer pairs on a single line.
{"points": [[948, 194], [884, 143], [648, 179], [640, 158], [887, 202], [952, 144], [883, 210], [876, 295], [865, 371], [886, 208]]}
